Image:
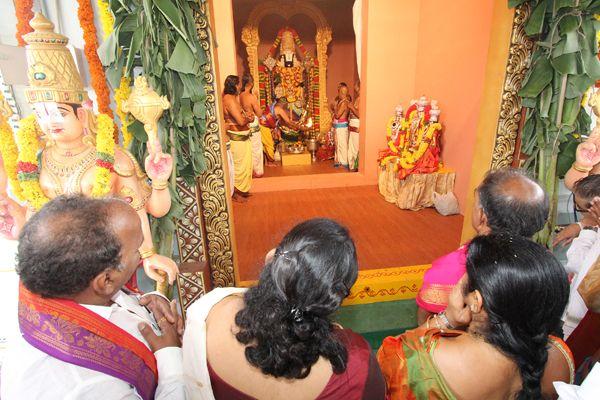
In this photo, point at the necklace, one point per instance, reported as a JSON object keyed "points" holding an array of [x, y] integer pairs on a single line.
{"points": [[72, 152], [67, 169]]}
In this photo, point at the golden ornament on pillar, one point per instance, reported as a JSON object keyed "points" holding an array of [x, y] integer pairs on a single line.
{"points": [[146, 106], [53, 75]]}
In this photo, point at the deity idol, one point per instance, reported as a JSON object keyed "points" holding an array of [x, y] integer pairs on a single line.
{"points": [[287, 79], [78, 153], [413, 141]]}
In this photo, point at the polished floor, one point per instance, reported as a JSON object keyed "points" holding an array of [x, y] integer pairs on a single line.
{"points": [[317, 167], [385, 236]]}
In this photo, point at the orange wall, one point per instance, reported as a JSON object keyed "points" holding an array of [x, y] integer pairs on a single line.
{"points": [[451, 63], [341, 67]]}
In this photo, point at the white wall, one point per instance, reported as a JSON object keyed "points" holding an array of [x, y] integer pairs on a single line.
{"points": [[63, 13]]}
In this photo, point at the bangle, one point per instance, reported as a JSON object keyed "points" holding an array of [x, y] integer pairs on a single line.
{"points": [[147, 253], [581, 169], [445, 320], [160, 185]]}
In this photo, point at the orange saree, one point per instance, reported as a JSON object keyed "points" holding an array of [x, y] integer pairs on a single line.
{"points": [[410, 372]]}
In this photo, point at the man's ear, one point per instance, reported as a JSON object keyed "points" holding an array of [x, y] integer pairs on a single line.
{"points": [[104, 283]]}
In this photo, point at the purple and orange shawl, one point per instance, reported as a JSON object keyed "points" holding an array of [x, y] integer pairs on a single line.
{"points": [[71, 333]]}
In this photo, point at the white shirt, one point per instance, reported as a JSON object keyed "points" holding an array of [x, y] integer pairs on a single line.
{"points": [[9, 292], [582, 255], [28, 373]]}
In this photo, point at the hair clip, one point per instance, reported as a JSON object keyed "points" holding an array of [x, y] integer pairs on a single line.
{"points": [[284, 255], [297, 314]]}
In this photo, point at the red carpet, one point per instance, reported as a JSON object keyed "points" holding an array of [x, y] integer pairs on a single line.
{"points": [[385, 236]]}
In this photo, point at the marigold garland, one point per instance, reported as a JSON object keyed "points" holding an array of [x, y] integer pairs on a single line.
{"points": [[105, 156], [121, 94], [106, 18], [9, 151], [98, 78], [24, 13], [27, 162], [28, 171]]}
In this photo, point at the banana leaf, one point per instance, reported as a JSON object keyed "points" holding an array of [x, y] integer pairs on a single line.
{"points": [[540, 76], [565, 64], [569, 23], [182, 59], [536, 20], [171, 13], [566, 156], [577, 85], [514, 3]]}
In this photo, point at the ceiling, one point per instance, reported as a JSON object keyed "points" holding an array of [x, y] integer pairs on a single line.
{"points": [[338, 14]]}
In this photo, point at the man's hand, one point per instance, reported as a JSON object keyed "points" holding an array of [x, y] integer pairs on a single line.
{"points": [[566, 235], [169, 337], [161, 308]]}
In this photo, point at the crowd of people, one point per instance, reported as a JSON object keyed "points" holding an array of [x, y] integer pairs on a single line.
{"points": [[492, 330], [252, 134]]}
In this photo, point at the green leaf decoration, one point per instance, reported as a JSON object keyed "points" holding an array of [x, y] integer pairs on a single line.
{"points": [[160, 37], [563, 66], [539, 78], [182, 59], [536, 20], [568, 24], [168, 9]]}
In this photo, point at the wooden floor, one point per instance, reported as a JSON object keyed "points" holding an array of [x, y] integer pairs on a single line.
{"points": [[317, 167], [385, 236]]}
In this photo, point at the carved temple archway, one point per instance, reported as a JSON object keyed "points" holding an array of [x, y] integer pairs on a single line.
{"points": [[251, 39]]}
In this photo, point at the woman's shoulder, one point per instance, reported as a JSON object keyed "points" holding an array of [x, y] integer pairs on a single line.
{"points": [[200, 309]]}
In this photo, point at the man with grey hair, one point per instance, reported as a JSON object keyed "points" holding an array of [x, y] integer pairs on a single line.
{"points": [[82, 335], [507, 201]]}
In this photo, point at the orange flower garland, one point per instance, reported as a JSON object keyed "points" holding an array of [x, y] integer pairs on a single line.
{"points": [[86, 20], [24, 13]]}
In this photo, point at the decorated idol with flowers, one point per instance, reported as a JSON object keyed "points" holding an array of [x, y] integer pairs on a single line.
{"points": [[64, 148], [414, 139]]}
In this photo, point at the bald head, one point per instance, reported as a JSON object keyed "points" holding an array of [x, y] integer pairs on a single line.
{"points": [[70, 241], [513, 203]]}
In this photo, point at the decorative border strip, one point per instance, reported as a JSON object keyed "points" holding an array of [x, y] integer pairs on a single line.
{"points": [[517, 66]]}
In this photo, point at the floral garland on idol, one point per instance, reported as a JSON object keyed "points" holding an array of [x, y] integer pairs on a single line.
{"points": [[9, 152], [122, 93], [28, 169], [28, 172], [24, 13], [98, 78]]}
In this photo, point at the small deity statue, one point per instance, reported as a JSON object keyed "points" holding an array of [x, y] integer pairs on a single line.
{"points": [[413, 141], [78, 153]]}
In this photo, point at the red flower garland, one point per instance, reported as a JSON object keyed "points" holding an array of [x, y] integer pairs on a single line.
{"points": [[86, 20], [24, 13]]}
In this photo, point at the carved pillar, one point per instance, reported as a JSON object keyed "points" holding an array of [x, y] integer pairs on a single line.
{"points": [[251, 40], [323, 38]]}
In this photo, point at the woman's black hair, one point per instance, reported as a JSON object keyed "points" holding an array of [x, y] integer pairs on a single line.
{"points": [[525, 291], [285, 323], [230, 86]]}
